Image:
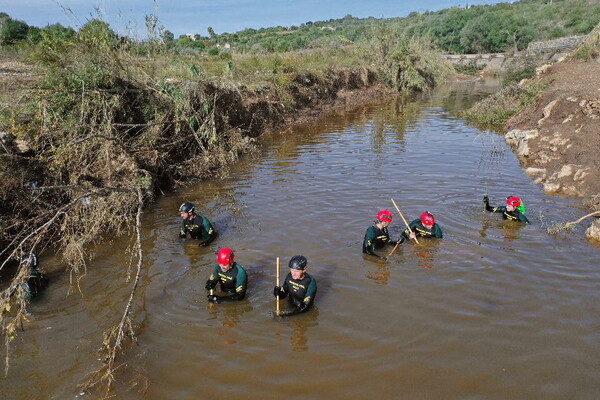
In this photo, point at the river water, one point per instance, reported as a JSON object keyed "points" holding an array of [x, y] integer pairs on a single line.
{"points": [[494, 310]]}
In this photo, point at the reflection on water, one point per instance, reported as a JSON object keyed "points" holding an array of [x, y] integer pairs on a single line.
{"points": [[493, 310]]}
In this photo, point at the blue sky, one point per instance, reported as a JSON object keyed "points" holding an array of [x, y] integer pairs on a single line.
{"points": [[195, 16]]}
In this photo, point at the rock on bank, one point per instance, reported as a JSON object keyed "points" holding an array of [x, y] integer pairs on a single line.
{"points": [[558, 138]]}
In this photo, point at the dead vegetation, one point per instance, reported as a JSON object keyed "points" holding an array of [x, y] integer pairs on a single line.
{"points": [[104, 131]]}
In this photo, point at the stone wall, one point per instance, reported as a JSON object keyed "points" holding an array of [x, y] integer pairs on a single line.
{"points": [[537, 54], [561, 44]]}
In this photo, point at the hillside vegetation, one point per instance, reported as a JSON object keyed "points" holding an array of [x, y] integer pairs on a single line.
{"points": [[475, 29]]}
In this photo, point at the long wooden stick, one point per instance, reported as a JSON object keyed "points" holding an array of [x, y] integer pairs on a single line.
{"points": [[277, 297], [404, 219]]}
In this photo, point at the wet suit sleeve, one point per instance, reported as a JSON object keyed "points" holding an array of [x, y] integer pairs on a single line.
{"points": [[211, 283], [240, 288], [308, 301], [369, 242], [183, 231], [282, 292], [406, 232], [437, 231], [208, 233], [489, 208]]}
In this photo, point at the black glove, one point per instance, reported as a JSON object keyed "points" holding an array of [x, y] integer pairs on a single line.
{"points": [[213, 298], [276, 291], [486, 199], [181, 235], [210, 284]]}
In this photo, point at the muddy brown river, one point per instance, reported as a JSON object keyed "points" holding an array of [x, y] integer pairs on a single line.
{"points": [[494, 310]]}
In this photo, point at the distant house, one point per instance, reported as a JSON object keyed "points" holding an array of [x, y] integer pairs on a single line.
{"points": [[327, 28], [225, 46], [191, 36]]}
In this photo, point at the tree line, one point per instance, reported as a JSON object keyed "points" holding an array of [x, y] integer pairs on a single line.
{"points": [[470, 29]]}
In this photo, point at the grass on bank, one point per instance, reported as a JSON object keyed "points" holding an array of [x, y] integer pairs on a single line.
{"points": [[108, 129], [495, 110]]}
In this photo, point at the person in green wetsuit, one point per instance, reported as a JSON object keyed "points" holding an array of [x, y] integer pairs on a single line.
{"points": [[198, 226], [231, 276], [514, 210], [377, 235], [36, 281], [425, 226], [299, 286]]}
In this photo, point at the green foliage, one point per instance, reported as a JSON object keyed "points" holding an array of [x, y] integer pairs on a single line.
{"points": [[590, 48], [516, 76], [471, 68], [496, 109], [11, 30], [404, 64], [476, 29]]}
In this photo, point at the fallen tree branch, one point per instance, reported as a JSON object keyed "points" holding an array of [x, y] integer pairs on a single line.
{"points": [[105, 375], [567, 226]]}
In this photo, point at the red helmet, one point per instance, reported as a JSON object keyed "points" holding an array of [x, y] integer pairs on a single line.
{"points": [[427, 218], [384, 215], [513, 201], [225, 255]]}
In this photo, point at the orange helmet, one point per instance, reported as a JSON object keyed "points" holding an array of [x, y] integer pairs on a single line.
{"points": [[427, 218], [384, 216], [225, 256]]}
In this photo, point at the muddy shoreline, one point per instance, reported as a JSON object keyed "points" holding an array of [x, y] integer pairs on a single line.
{"points": [[557, 139]]}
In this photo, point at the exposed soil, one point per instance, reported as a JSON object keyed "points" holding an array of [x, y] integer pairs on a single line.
{"points": [[563, 147]]}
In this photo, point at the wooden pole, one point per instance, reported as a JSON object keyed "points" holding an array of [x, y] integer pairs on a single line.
{"points": [[277, 283], [393, 251], [403, 219]]}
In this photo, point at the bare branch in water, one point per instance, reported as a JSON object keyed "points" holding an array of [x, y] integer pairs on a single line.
{"points": [[568, 226]]}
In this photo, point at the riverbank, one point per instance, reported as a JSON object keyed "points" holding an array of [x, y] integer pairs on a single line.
{"points": [[557, 137], [552, 122]]}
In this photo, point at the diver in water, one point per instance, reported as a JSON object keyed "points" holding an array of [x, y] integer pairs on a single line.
{"points": [[299, 286], [514, 209], [377, 235], [198, 226], [230, 275], [425, 226]]}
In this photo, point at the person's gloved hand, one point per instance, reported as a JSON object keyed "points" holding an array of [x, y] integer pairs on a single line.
{"points": [[213, 298], [486, 199], [210, 284], [276, 291]]}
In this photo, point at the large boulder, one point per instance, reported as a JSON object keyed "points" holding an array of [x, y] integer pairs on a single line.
{"points": [[593, 232], [519, 140]]}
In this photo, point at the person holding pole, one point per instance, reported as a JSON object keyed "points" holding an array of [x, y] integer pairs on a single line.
{"points": [[425, 226], [377, 235], [299, 286], [231, 276]]}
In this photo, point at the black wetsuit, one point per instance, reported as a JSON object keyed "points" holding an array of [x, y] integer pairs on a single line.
{"points": [[420, 231], [514, 215], [376, 238], [198, 228], [301, 293], [36, 282], [234, 282]]}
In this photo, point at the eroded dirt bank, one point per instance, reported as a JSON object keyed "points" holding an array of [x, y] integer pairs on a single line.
{"points": [[558, 138], [145, 135]]}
